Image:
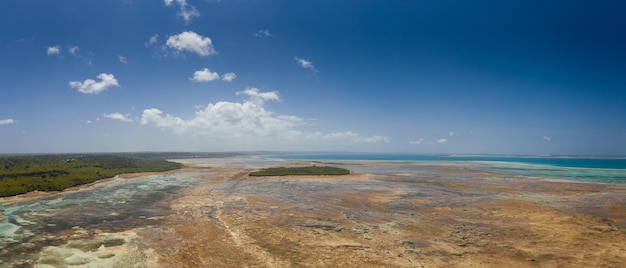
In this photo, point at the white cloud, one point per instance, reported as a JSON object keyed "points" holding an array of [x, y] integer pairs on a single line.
{"points": [[248, 120], [204, 75], [230, 119], [546, 138], [55, 50], [349, 135], [73, 50], [90, 86], [88, 122], [192, 42], [416, 142], [186, 11], [229, 77], [259, 97], [122, 59], [305, 64], [451, 133], [117, 116], [153, 40], [442, 141], [7, 121], [263, 33]]}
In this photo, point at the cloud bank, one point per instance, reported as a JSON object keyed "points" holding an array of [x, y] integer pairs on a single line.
{"points": [[248, 120], [230, 119], [348, 135], [90, 86]]}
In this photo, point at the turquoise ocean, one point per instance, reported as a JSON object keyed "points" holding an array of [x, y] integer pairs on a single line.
{"points": [[596, 169]]}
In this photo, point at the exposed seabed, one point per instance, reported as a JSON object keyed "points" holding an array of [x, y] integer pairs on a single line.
{"points": [[384, 214]]}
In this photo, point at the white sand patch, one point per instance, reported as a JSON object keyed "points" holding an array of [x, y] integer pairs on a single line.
{"points": [[103, 250]]}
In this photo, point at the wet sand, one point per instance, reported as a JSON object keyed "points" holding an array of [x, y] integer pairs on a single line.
{"points": [[381, 215]]}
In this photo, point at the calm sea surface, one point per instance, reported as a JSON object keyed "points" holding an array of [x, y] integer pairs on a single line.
{"points": [[575, 168]]}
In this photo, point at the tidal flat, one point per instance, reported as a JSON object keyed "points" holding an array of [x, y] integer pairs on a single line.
{"points": [[383, 214]]}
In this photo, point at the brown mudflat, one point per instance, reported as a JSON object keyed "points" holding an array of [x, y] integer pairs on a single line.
{"points": [[438, 216], [479, 220]]}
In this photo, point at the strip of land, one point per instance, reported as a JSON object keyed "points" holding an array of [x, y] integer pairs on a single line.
{"points": [[21, 174]]}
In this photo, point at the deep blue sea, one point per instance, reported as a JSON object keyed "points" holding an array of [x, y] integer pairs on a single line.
{"points": [[596, 169]]}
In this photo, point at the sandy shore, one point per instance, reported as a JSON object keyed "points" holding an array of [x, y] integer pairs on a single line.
{"points": [[420, 216]]}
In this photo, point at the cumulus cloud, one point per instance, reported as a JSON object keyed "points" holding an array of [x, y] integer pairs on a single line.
{"points": [[451, 133], [186, 11], [7, 121], [248, 120], [90, 86], [230, 119], [122, 59], [263, 33], [229, 77], [153, 40], [204, 75], [117, 116], [192, 42], [305, 64], [546, 138], [54, 50], [416, 142], [442, 141]]}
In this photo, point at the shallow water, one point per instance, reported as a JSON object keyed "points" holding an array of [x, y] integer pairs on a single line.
{"points": [[579, 162], [568, 173], [28, 226], [610, 170]]}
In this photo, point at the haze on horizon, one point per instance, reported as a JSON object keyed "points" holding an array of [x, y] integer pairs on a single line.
{"points": [[444, 77]]}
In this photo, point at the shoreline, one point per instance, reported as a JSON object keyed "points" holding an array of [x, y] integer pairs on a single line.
{"points": [[189, 166], [44, 194]]}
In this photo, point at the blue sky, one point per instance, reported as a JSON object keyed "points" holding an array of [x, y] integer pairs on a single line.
{"points": [[504, 77]]}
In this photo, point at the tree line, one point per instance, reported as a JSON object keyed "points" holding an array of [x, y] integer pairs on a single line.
{"points": [[26, 173], [310, 170]]}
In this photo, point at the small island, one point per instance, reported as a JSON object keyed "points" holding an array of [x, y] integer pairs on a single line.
{"points": [[310, 170]]}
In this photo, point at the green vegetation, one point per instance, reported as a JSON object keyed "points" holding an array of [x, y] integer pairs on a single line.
{"points": [[312, 170], [25, 173]]}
